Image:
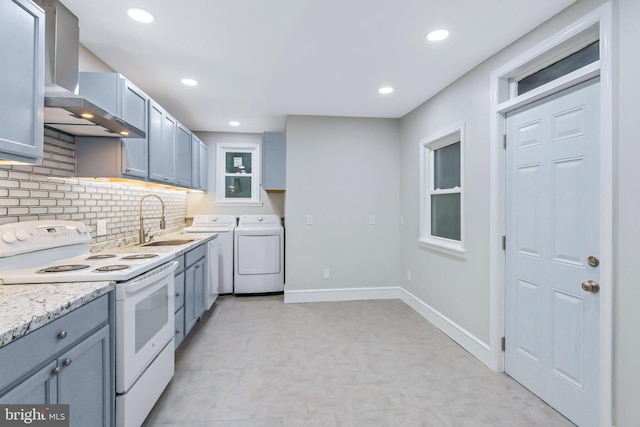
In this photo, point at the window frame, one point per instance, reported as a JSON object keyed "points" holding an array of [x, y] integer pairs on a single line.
{"points": [[428, 146], [222, 148]]}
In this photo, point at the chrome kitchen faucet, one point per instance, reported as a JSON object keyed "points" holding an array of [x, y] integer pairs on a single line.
{"points": [[142, 234]]}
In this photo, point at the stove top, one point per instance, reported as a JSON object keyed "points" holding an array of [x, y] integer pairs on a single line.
{"points": [[58, 251]]}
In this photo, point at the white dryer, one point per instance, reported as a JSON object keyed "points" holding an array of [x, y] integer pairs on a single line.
{"points": [[223, 225], [259, 255]]}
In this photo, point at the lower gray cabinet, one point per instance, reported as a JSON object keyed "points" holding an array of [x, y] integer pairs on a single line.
{"points": [[190, 284], [67, 361], [179, 304]]}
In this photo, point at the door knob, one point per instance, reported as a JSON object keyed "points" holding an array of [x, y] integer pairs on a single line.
{"points": [[591, 286]]}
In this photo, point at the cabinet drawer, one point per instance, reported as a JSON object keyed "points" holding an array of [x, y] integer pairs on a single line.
{"points": [[195, 255], [179, 327], [179, 288], [20, 357]]}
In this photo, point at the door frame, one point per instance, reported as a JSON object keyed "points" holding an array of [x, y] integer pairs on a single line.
{"points": [[597, 23]]}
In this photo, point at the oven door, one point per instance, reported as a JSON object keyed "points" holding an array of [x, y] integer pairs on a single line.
{"points": [[144, 322]]}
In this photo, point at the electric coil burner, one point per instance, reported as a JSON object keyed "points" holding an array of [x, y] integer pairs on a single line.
{"points": [[139, 256], [62, 268], [101, 256], [108, 268]]}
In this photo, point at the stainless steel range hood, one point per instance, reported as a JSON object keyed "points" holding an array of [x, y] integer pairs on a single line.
{"points": [[64, 109]]}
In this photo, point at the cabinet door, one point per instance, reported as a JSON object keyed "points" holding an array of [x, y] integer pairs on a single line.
{"points": [[156, 114], [168, 149], [195, 162], [202, 167], [84, 382], [134, 150], [194, 287], [39, 388], [183, 156], [274, 158], [179, 325], [200, 288], [21, 81], [190, 317]]}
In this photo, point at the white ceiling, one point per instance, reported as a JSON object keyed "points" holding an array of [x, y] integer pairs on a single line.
{"points": [[257, 61]]}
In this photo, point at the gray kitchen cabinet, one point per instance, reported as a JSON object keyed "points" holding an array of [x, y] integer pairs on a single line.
{"points": [[22, 31], [162, 131], [117, 95], [66, 361], [114, 157], [194, 286], [274, 159], [199, 164], [179, 304], [203, 167], [183, 158]]}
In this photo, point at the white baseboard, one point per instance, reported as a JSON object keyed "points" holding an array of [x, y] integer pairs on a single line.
{"points": [[347, 294], [464, 338]]}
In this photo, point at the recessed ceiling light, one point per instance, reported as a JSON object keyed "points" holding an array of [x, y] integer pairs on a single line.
{"points": [[437, 35], [234, 123], [189, 82], [385, 90], [140, 15]]}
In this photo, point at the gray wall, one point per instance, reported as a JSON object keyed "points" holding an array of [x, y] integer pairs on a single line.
{"points": [[341, 171]]}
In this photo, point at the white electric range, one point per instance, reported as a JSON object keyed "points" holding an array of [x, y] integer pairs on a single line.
{"points": [[58, 252]]}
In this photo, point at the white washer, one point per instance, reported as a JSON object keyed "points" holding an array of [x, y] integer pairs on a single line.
{"points": [[259, 255], [223, 225]]}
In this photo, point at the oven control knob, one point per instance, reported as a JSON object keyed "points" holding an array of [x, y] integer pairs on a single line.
{"points": [[22, 235], [9, 237]]}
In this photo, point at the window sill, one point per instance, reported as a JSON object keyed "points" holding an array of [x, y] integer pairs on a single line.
{"points": [[238, 203], [448, 247]]}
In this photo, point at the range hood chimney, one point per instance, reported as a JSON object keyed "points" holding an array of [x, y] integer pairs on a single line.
{"points": [[64, 109]]}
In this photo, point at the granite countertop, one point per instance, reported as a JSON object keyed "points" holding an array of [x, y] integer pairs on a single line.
{"points": [[25, 308]]}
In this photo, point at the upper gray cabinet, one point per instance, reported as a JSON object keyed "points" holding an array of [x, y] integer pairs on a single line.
{"points": [[162, 132], [21, 81], [274, 159], [129, 156], [183, 156], [199, 164]]}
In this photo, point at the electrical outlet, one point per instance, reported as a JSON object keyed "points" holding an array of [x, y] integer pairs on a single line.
{"points": [[309, 219], [372, 219], [101, 227], [408, 275], [326, 273]]}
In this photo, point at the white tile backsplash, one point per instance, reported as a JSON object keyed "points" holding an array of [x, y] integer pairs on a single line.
{"points": [[50, 191]]}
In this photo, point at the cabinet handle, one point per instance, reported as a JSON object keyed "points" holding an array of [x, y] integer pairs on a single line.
{"points": [[56, 371], [127, 170], [177, 294], [177, 331], [67, 362], [62, 335], [165, 178], [197, 266]]}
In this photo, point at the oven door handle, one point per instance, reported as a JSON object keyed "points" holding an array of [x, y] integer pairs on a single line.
{"points": [[151, 277]]}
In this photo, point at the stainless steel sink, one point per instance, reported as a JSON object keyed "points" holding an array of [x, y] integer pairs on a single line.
{"points": [[170, 242]]}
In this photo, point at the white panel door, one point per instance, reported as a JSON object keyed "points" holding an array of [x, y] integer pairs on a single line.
{"points": [[552, 228]]}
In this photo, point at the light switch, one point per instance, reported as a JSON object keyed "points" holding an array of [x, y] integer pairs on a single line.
{"points": [[309, 219], [372, 219]]}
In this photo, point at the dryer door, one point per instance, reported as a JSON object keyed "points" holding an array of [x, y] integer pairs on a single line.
{"points": [[258, 254]]}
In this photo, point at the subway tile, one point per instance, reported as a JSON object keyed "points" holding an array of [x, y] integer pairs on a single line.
{"points": [[9, 184], [29, 202], [9, 202], [18, 193], [38, 211], [29, 185], [18, 211], [39, 194]]}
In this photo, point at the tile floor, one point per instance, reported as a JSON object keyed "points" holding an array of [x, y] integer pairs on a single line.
{"points": [[255, 361]]}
